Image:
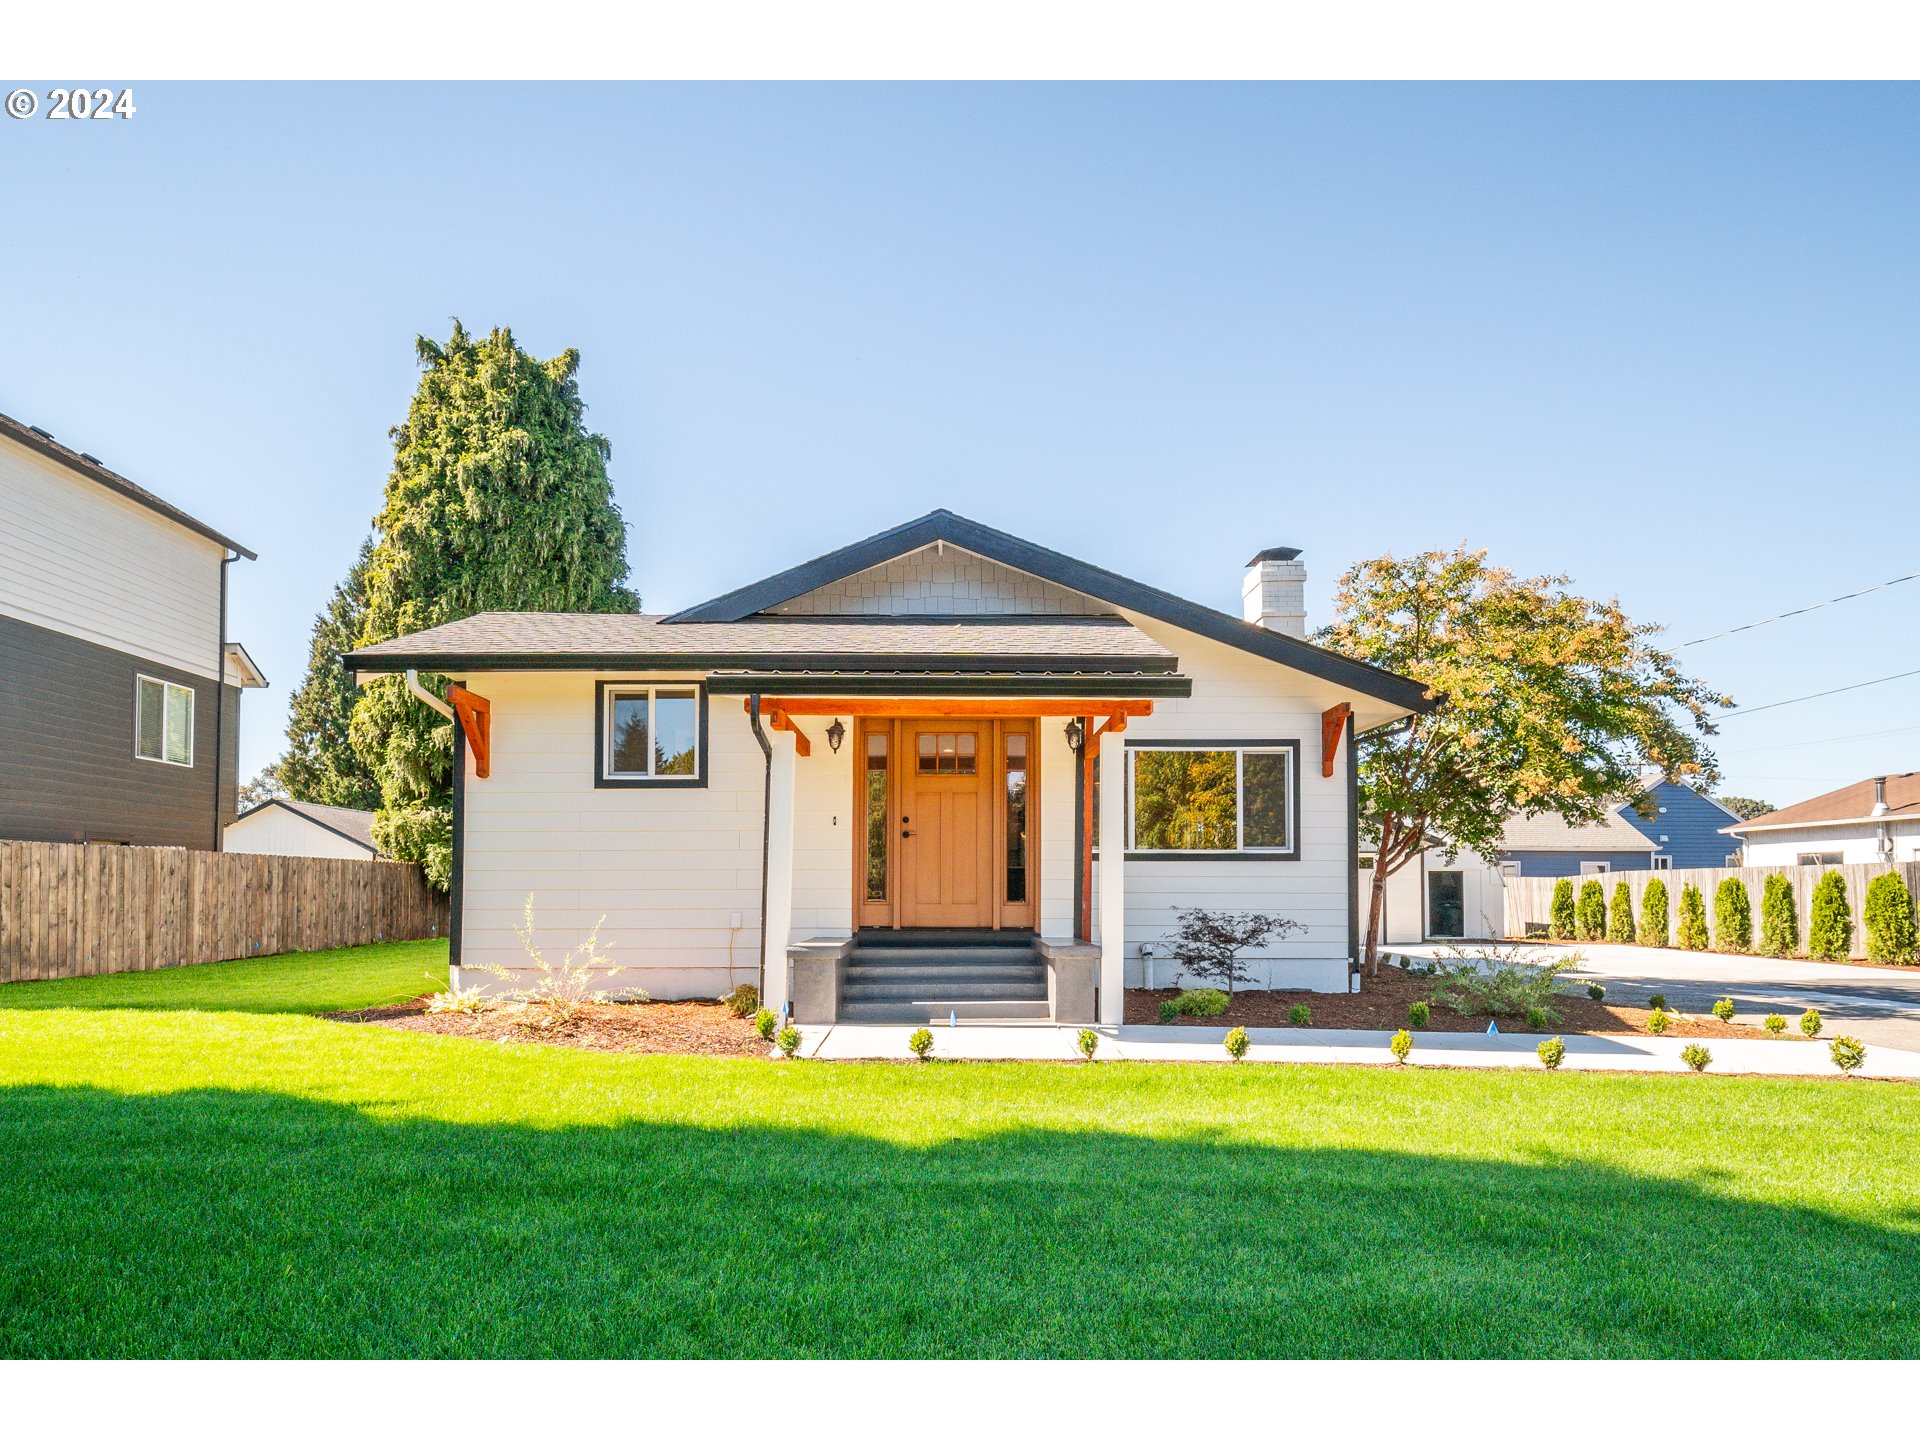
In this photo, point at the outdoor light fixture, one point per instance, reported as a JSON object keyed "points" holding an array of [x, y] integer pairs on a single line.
{"points": [[1076, 736], [836, 732]]}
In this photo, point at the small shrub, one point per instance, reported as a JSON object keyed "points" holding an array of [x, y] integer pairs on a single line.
{"points": [[1561, 921], [765, 1022], [1848, 1053], [1551, 1052], [1299, 1015], [921, 1042], [1732, 916], [1204, 1002], [1492, 981], [1207, 943], [1590, 912], [1693, 919], [788, 1040], [1169, 1011], [1657, 1023], [1401, 1045], [1596, 991], [457, 999], [1810, 1024], [1697, 1056], [1658, 1002], [1723, 1008], [1237, 1042], [1830, 925], [1418, 1014], [741, 1001], [1537, 1019], [1620, 916], [1089, 1041], [1891, 934], [1653, 913], [562, 988], [1775, 1024], [1779, 925]]}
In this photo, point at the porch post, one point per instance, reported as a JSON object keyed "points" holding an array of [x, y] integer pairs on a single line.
{"points": [[1113, 871], [777, 924]]}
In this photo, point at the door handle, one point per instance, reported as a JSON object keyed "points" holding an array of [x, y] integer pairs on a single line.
{"points": [[906, 834]]}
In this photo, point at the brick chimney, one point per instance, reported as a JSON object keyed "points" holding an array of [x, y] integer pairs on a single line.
{"points": [[1274, 593]]}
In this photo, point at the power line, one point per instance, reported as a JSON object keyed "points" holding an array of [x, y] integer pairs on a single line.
{"points": [[1804, 609], [1819, 694]]}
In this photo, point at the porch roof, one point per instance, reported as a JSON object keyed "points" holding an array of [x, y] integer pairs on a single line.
{"points": [[971, 645]]}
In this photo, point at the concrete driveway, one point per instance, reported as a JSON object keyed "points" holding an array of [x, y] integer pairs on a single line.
{"points": [[1880, 1006]]}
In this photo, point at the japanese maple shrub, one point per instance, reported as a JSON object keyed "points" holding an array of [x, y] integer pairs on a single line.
{"points": [[1207, 943]]}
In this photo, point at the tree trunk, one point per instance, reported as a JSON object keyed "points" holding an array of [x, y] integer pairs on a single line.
{"points": [[1376, 906]]}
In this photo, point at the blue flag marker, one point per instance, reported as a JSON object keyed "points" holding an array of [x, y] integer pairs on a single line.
{"points": [[953, 1019], [1492, 1029]]}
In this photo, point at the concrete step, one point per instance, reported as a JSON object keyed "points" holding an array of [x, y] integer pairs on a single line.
{"points": [[1013, 972], [934, 1014], [945, 990], [942, 939], [893, 956]]}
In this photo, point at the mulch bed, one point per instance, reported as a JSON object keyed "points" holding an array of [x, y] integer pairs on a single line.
{"points": [[1382, 1005], [661, 1027]]}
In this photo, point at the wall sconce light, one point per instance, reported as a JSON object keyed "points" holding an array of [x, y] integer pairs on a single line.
{"points": [[1076, 736], [836, 732]]}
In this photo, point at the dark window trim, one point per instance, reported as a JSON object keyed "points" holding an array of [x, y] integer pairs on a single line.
{"points": [[604, 781], [1230, 856]]}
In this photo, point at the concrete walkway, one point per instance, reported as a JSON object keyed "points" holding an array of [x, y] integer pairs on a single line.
{"points": [[1342, 1047], [1878, 1005]]}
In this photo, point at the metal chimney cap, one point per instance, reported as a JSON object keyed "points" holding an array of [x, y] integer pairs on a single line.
{"points": [[1278, 552]]}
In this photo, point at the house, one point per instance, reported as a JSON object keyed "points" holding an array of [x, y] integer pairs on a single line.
{"points": [[1688, 827], [120, 711], [1446, 895], [880, 785], [1869, 822], [294, 827]]}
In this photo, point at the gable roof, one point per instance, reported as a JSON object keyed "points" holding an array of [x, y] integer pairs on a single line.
{"points": [[83, 464], [943, 526], [354, 825], [1837, 807], [1551, 832]]}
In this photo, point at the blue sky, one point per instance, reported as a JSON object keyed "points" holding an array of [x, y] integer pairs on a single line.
{"points": [[1666, 339]]}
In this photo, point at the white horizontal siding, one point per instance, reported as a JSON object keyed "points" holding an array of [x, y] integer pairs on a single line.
{"points": [[78, 559], [1857, 844]]}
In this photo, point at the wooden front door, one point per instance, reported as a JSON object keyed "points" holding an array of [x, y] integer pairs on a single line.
{"points": [[945, 846]]}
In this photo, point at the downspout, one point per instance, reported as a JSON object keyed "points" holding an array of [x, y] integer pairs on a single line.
{"points": [[766, 829], [425, 696], [220, 702]]}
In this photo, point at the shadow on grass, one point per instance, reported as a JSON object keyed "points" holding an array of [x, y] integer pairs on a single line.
{"points": [[239, 1223]]}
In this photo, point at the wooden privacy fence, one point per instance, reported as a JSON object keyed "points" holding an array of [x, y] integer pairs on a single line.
{"points": [[69, 910], [1529, 899]]}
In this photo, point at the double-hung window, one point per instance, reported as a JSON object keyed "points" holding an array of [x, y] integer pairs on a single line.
{"points": [[163, 721], [1214, 797], [652, 734]]}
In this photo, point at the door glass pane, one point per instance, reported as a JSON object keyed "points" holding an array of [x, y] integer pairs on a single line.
{"points": [[929, 760], [967, 762], [1264, 810], [1184, 799], [150, 724], [179, 724], [629, 742], [949, 754], [1016, 819], [877, 817], [675, 732]]}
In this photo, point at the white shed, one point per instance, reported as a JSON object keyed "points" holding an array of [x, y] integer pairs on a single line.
{"points": [[293, 827]]}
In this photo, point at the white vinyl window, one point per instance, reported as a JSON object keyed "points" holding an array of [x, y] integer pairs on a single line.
{"points": [[1663, 862], [163, 721], [652, 732], [1224, 799]]}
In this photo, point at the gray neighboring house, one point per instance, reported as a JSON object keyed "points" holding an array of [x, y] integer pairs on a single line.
{"points": [[295, 827], [120, 703]]}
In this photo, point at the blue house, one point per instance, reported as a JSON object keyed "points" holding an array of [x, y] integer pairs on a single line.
{"points": [[1686, 828]]}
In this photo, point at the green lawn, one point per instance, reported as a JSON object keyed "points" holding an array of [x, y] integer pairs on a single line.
{"points": [[194, 1167]]}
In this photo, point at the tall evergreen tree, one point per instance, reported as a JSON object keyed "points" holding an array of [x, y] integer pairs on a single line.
{"points": [[1733, 916], [1830, 919], [1779, 920], [1620, 916], [498, 500], [320, 765]]}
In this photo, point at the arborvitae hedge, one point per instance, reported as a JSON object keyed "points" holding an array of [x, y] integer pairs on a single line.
{"points": [[1590, 915], [1560, 919], [1653, 913], [1693, 918], [1891, 934], [1620, 916], [1733, 916], [1779, 925], [1830, 922]]}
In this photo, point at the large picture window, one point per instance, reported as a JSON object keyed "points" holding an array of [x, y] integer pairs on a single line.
{"points": [[1214, 798], [163, 721], [652, 734]]}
